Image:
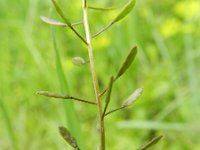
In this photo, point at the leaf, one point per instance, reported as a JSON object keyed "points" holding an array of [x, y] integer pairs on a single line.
{"points": [[125, 65], [78, 61], [102, 8], [52, 21], [125, 11], [133, 97], [151, 143], [68, 137]]}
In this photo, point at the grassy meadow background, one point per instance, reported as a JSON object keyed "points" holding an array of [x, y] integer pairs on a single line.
{"points": [[167, 66]]}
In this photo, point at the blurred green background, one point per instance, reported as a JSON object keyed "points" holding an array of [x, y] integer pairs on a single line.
{"points": [[167, 66]]}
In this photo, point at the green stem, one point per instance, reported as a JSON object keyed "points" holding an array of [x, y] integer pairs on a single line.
{"points": [[93, 73], [114, 110], [102, 30], [55, 95], [60, 12]]}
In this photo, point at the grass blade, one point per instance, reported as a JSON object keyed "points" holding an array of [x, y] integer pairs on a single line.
{"points": [[158, 125], [9, 125], [72, 120], [126, 64]]}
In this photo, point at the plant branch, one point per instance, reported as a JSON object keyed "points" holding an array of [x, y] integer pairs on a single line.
{"points": [[151, 143], [93, 73], [55, 95], [60, 12], [102, 30], [102, 93], [114, 110]]}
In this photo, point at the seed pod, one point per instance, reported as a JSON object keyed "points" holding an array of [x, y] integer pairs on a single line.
{"points": [[133, 97], [68, 137], [78, 61]]}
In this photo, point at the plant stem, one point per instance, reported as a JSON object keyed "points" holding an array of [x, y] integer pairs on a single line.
{"points": [[93, 73], [55, 95], [102, 30], [116, 109]]}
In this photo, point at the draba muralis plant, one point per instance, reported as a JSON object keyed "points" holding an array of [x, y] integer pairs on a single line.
{"points": [[101, 104]]}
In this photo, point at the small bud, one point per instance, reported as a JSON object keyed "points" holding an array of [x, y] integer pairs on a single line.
{"points": [[78, 61]]}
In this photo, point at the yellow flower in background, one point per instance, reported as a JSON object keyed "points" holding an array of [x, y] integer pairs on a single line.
{"points": [[187, 9], [170, 27]]}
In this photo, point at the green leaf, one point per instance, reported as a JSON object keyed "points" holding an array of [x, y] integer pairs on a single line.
{"points": [[68, 137], [126, 64], [133, 97], [151, 143], [102, 8], [125, 11], [52, 21]]}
